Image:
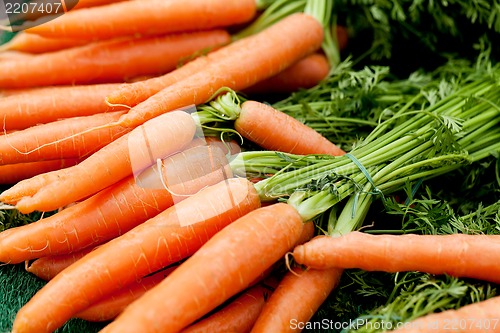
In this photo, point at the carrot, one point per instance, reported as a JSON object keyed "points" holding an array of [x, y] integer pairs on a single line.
{"points": [[94, 3], [130, 153], [476, 317], [32, 106], [34, 44], [56, 140], [147, 17], [46, 268], [13, 173], [304, 74], [264, 125], [237, 255], [111, 306], [455, 255], [14, 55], [108, 61], [297, 36], [167, 238], [237, 316], [296, 299], [121, 207]]}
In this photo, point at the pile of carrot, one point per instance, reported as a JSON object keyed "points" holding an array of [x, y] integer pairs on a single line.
{"points": [[154, 231]]}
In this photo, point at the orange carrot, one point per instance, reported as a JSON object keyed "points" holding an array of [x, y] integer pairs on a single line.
{"points": [[121, 207], [29, 107], [237, 316], [264, 125], [147, 17], [13, 173], [447, 254], [304, 74], [14, 55], [35, 44], [296, 299], [46, 268], [476, 317], [165, 239], [130, 153], [237, 255], [297, 36], [94, 3], [111, 306], [108, 61], [56, 140]]}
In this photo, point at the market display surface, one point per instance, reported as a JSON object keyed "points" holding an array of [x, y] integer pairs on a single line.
{"points": [[250, 166]]}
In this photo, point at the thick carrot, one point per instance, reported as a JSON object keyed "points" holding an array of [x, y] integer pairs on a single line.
{"points": [[56, 140], [35, 44], [297, 36], [46, 268], [455, 255], [296, 299], [108, 61], [13, 173], [237, 255], [165, 239], [147, 17], [110, 213], [476, 317], [264, 125], [29, 107], [237, 316], [130, 153], [111, 306], [304, 74]]}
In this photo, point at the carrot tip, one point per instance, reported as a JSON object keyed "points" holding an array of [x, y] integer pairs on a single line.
{"points": [[106, 100], [5, 206]]}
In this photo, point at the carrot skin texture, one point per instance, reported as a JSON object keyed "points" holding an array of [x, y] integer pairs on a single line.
{"points": [[46, 268], [121, 207], [304, 74], [157, 243], [111, 306], [237, 255], [34, 44], [447, 255], [263, 125], [29, 107], [297, 297], [146, 18], [129, 153], [480, 316], [108, 61], [237, 316], [35, 143], [13, 173], [298, 36]]}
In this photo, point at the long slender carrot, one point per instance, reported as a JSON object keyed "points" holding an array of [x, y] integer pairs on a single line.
{"points": [[167, 238], [56, 140], [237, 316], [304, 74], [29, 107], [108, 61], [130, 153], [297, 36], [35, 44], [13, 173], [147, 17], [111, 306], [454, 255], [296, 299], [263, 125], [111, 212], [476, 317], [46, 268], [237, 255]]}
